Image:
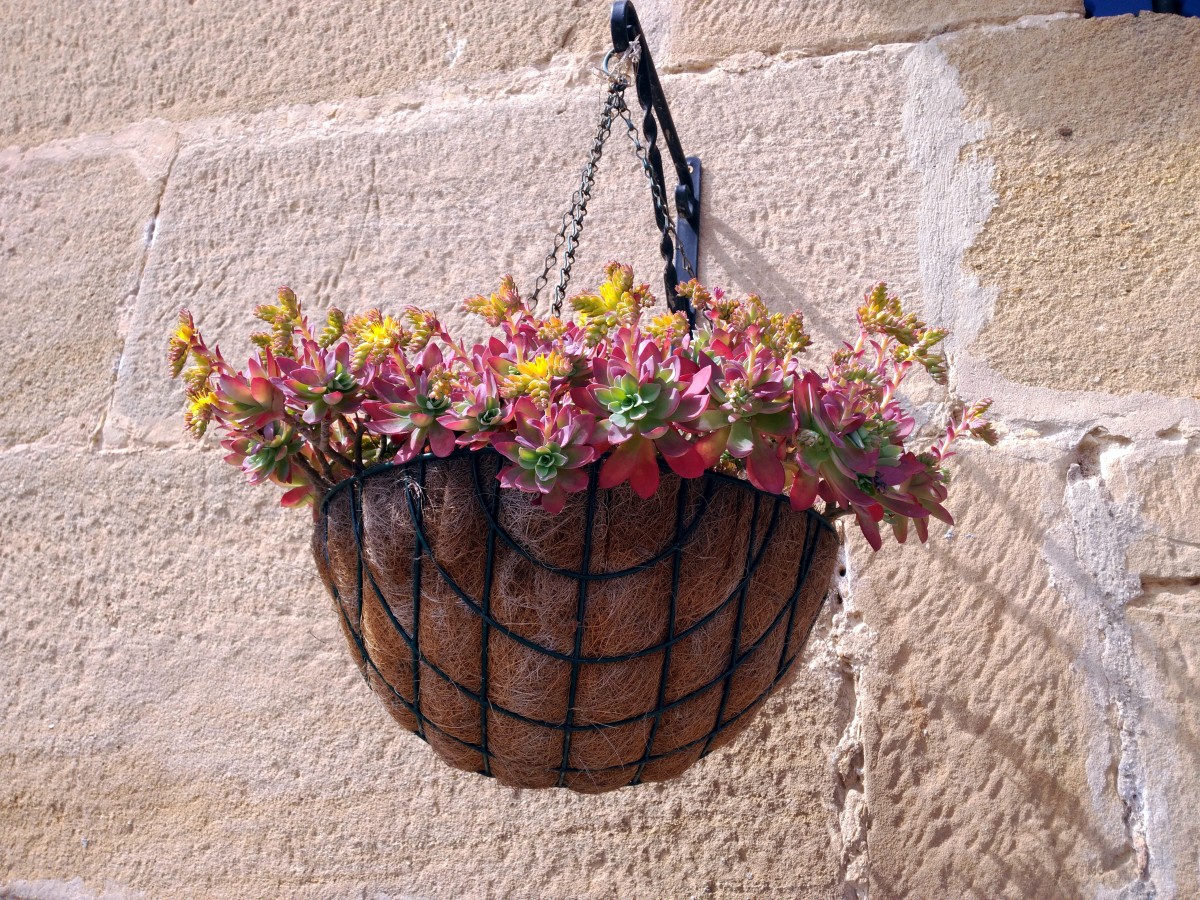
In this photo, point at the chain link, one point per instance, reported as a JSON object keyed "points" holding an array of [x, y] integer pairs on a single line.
{"points": [[566, 240], [662, 208]]}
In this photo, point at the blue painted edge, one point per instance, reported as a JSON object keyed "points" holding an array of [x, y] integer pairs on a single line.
{"points": [[1100, 8]]}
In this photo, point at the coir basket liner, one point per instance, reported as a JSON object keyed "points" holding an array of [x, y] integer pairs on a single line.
{"points": [[615, 643]]}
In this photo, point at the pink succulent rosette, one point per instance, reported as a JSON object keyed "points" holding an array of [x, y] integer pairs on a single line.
{"points": [[549, 450], [616, 383]]}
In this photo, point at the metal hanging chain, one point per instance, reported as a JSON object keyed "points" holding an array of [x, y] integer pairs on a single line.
{"points": [[662, 209], [572, 220], [566, 240]]}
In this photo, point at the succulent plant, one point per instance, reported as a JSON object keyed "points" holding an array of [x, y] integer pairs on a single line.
{"points": [[617, 304], [412, 398], [549, 451], [480, 414], [644, 401], [320, 383], [616, 384], [253, 399], [749, 414]]}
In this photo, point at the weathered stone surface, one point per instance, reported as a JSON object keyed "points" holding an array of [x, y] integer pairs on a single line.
{"points": [[985, 738], [703, 31], [809, 194], [72, 68], [181, 718], [1094, 136], [1164, 619], [1169, 545], [72, 242], [1007, 712], [1166, 638], [409, 207]]}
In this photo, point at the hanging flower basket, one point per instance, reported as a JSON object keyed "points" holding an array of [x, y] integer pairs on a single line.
{"points": [[583, 552], [616, 642]]}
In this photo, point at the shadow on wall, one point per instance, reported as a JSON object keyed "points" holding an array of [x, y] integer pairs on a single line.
{"points": [[747, 264], [1021, 785]]}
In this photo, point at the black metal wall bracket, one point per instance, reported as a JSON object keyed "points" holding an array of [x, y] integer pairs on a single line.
{"points": [[626, 29]]}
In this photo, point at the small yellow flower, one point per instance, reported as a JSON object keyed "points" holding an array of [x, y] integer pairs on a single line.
{"points": [[618, 303], [335, 327], [534, 378], [500, 306], [785, 335], [199, 412], [195, 377], [181, 343], [373, 336], [422, 326], [667, 326], [552, 329]]}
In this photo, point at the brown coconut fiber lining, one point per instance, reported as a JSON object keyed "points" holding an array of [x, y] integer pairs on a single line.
{"points": [[513, 663]]}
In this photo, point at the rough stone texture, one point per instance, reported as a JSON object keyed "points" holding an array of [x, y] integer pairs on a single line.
{"points": [[1007, 712], [181, 718], [1169, 547], [1095, 143], [72, 68], [1166, 636], [704, 31], [361, 212], [980, 724], [69, 263]]}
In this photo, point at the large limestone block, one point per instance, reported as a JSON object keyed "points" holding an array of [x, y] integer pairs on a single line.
{"points": [[988, 749], [703, 31], [180, 718], [809, 199], [1092, 245], [810, 192], [73, 232], [72, 68]]}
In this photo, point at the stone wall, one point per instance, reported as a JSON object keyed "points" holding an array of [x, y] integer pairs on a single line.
{"points": [[1008, 711]]}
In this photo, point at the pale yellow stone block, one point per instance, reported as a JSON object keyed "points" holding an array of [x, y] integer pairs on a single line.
{"points": [[987, 746], [1169, 544], [73, 235], [703, 31], [71, 68], [1166, 639], [1165, 628], [1094, 129], [181, 718], [808, 200]]}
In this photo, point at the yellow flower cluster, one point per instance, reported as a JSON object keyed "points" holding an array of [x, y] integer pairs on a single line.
{"points": [[372, 336], [882, 314], [284, 319], [534, 377], [498, 307], [618, 303]]}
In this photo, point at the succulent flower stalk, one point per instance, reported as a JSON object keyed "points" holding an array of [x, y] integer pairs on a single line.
{"points": [[617, 386]]}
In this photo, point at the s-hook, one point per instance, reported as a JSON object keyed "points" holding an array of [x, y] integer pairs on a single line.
{"points": [[627, 29]]}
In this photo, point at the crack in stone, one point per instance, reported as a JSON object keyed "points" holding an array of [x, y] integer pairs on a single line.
{"points": [[832, 49], [850, 640], [96, 437], [1101, 530]]}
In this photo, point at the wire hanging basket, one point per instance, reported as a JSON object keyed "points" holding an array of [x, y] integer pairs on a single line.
{"points": [[615, 643]]}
